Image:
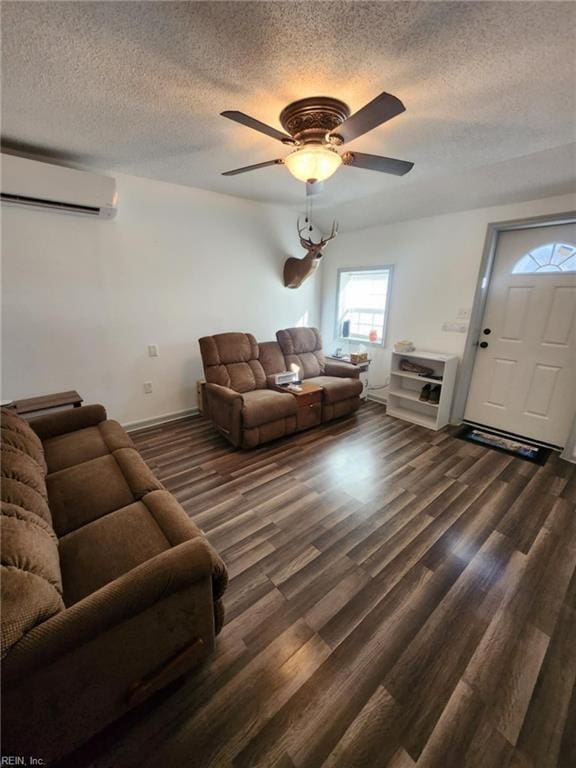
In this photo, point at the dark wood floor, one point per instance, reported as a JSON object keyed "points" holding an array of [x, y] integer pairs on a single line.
{"points": [[398, 598]]}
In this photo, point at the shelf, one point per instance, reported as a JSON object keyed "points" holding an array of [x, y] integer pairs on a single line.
{"points": [[434, 356], [413, 416], [404, 398], [407, 394], [408, 375]]}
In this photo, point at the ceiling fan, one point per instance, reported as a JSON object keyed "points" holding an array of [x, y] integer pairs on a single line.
{"points": [[316, 127]]}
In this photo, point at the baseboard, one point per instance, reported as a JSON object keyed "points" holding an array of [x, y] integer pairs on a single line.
{"points": [[132, 426], [377, 399]]}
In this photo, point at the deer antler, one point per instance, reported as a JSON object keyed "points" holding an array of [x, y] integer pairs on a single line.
{"points": [[308, 243], [332, 234]]}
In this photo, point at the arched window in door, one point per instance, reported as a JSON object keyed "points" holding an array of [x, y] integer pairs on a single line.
{"points": [[552, 257]]}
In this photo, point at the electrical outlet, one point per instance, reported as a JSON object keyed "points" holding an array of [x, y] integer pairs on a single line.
{"points": [[153, 350], [147, 387]]}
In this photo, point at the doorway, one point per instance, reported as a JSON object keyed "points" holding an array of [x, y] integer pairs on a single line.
{"points": [[523, 378]]}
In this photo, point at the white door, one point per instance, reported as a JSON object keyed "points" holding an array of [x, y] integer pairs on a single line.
{"points": [[524, 377]]}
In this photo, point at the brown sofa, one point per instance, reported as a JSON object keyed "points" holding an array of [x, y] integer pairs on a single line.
{"points": [[240, 373], [109, 591], [340, 381], [238, 400]]}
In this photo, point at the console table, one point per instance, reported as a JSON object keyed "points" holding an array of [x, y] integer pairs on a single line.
{"points": [[46, 402], [309, 402]]}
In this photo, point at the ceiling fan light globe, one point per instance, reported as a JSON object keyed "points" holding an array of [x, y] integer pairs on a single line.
{"points": [[313, 163]]}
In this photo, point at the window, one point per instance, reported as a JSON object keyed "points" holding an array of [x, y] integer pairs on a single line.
{"points": [[363, 298], [552, 257]]}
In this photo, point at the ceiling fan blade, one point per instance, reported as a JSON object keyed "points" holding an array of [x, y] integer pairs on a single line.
{"points": [[251, 122], [378, 111], [255, 167], [377, 163]]}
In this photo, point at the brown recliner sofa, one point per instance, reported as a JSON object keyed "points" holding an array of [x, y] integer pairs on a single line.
{"points": [[340, 381], [109, 591], [239, 373], [238, 400]]}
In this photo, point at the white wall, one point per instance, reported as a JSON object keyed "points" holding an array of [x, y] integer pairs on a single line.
{"points": [[436, 262], [82, 298]]}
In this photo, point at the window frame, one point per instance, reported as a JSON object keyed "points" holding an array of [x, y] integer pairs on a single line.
{"points": [[338, 326], [541, 270]]}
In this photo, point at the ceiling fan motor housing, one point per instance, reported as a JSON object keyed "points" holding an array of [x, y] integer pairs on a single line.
{"points": [[309, 121]]}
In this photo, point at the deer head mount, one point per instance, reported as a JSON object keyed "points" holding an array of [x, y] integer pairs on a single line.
{"points": [[298, 270]]}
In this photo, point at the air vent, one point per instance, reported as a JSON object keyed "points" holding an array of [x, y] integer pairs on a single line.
{"points": [[41, 185]]}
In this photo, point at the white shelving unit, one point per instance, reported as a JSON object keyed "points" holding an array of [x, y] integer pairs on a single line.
{"points": [[405, 387]]}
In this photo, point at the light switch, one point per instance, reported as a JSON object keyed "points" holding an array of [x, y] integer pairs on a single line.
{"points": [[153, 350], [147, 387]]}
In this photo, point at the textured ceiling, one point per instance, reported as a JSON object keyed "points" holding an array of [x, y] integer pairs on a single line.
{"points": [[138, 86]]}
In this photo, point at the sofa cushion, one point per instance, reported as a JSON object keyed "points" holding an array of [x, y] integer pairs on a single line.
{"points": [[335, 388], [231, 360], [23, 482], [15, 510], [20, 466], [17, 433], [272, 358], [31, 583], [264, 405], [107, 548], [303, 347], [82, 445], [80, 494], [22, 495], [30, 546], [27, 600]]}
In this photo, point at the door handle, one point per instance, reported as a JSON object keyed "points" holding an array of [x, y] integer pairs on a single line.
{"points": [[483, 344]]}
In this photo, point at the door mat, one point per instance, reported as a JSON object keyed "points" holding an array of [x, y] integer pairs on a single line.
{"points": [[511, 445]]}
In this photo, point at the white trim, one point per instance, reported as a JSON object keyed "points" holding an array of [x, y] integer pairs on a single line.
{"points": [[132, 426], [376, 399]]}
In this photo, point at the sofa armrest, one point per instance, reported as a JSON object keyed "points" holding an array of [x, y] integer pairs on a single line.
{"points": [[62, 422], [225, 409], [134, 592], [341, 369]]}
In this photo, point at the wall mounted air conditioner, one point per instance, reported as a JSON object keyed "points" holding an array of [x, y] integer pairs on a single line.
{"points": [[36, 184]]}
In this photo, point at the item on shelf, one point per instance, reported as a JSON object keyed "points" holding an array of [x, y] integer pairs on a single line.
{"points": [[338, 353], [360, 356], [404, 346], [410, 367], [373, 336], [285, 377], [425, 393], [434, 396]]}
